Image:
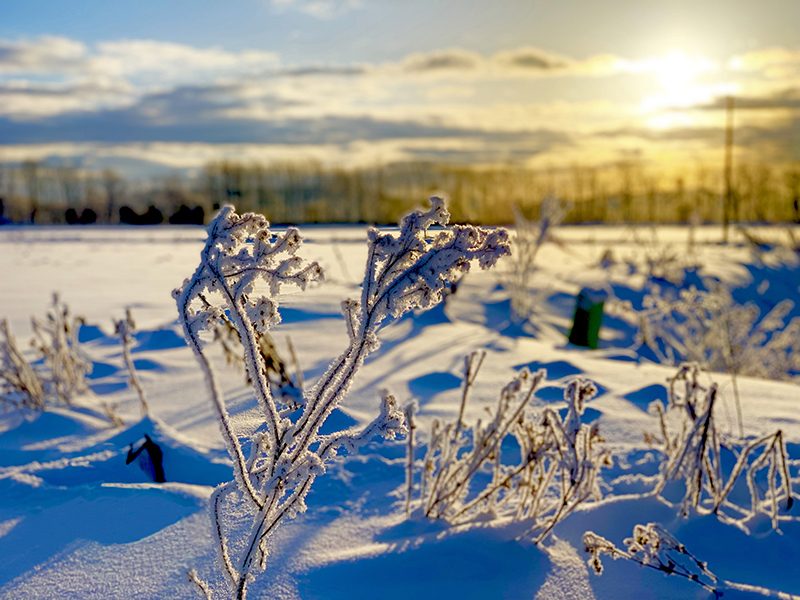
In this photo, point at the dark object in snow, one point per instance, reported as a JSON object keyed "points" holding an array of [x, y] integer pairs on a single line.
{"points": [[87, 216], [3, 220], [153, 216], [588, 317], [607, 260], [153, 467], [188, 216]]}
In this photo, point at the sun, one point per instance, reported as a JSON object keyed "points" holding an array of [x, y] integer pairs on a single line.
{"points": [[679, 85], [676, 70]]}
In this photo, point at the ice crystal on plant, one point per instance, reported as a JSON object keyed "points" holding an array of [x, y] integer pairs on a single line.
{"points": [[653, 547], [557, 470], [692, 451], [243, 267], [710, 328], [63, 374], [529, 237]]}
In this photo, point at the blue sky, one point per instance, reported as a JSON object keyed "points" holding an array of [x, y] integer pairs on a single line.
{"points": [[172, 85]]}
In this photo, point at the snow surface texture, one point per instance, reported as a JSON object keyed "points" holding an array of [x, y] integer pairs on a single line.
{"points": [[76, 522]]}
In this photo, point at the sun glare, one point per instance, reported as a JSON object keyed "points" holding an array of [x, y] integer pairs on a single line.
{"points": [[677, 73]]}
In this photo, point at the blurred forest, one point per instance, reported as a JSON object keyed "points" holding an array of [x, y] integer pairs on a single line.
{"points": [[627, 192]]}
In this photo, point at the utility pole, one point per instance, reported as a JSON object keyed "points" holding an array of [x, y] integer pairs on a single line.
{"points": [[728, 205]]}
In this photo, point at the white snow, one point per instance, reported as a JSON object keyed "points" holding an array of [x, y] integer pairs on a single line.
{"points": [[77, 522]]}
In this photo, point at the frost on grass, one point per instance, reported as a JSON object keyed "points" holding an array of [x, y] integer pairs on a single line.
{"points": [[529, 237], [557, 470], [653, 547], [56, 338], [281, 380], [694, 461], [243, 267], [63, 373], [693, 450], [20, 385], [125, 328], [711, 329]]}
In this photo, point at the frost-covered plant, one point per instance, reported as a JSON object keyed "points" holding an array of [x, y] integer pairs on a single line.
{"points": [[779, 486], [528, 239], [659, 259], [56, 337], [575, 457], [242, 268], [653, 547], [558, 464], [63, 374], [692, 450], [227, 337], [693, 453], [125, 328], [711, 329], [20, 385], [409, 412], [780, 245], [281, 382]]}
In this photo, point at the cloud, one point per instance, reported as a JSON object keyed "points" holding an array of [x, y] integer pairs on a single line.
{"points": [[145, 159], [175, 61], [198, 114], [44, 54], [323, 71], [53, 75], [520, 62], [708, 135], [453, 59], [238, 114], [21, 100], [538, 62], [781, 141], [449, 105], [766, 143], [533, 58], [200, 105], [774, 63], [146, 61], [493, 147], [788, 98]]}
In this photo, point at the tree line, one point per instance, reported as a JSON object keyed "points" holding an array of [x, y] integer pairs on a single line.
{"points": [[625, 192]]}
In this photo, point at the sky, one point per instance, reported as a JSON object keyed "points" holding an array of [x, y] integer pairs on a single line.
{"points": [[149, 86]]}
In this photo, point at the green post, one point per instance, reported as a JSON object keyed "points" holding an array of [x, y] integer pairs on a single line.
{"points": [[588, 318]]}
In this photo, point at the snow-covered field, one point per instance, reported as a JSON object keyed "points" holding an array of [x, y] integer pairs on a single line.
{"points": [[77, 522]]}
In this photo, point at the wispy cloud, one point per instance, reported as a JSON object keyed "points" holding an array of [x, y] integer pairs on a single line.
{"points": [[47, 54], [49, 76], [535, 59], [527, 61], [453, 59], [772, 63], [144, 61], [788, 98], [175, 62], [21, 100]]}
